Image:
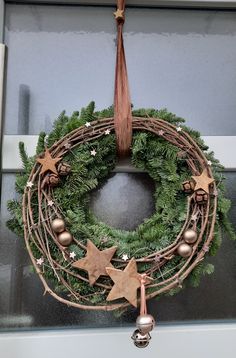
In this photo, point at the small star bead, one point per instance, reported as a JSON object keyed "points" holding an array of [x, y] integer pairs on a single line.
{"points": [[194, 217], [107, 131], [179, 282], [72, 255], [50, 202], [161, 132], [209, 162], [119, 14], [29, 184], [40, 261], [67, 145], [125, 257], [87, 124], [179, 129], [157, 258], [93, 152], [205, 248], [104, 240]]}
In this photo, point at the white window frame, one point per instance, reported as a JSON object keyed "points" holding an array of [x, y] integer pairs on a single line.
{"points": [[208, 340]]}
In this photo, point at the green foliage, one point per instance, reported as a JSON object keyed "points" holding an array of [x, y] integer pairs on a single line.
{"points": [[150, 153], [201, 270], [23, 155]]}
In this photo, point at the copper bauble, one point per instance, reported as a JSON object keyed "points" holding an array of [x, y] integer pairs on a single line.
{"points": [[201, 197], [184, 250], [190, 236], [58, 225], [145, 323], [52, 179], [65, 238], [63, 168], [188, 186], [140, 340]]}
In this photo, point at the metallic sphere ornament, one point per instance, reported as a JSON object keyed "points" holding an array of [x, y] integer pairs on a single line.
{"points": [[190, 236], [184, 250], [145, 323], [65, 238], [58, 225], [141, 340]]}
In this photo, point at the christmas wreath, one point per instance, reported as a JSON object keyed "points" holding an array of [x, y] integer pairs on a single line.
{"points": [[65, 238]]}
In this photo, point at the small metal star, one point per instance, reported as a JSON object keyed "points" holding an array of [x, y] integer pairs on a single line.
{"points": [[34, 226], [194, 217], [50, 202], [119, 14], [93, 152], [179, 281], [205, 248], [29, 184], [87, 124], [67, 145], [125, 257], [161, 132], [40, 261], [104, 240], [179, 129], [107, 131], [157, 258], [72, 255], [209, 162]]}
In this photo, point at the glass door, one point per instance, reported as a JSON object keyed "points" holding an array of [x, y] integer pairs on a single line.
{"points": [[62, 57]]}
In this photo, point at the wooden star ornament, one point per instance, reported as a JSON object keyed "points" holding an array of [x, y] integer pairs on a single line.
{"points": [[202, 181], [95, 262], [126, 283], [48, 163]]}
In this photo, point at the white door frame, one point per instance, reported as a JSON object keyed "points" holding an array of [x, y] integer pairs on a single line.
{"points": [[208, 340]]}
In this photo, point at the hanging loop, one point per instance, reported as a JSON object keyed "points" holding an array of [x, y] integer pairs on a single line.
{"points": [[122, 103]]}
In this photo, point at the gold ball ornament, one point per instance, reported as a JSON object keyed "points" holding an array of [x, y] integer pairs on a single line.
{"points": [[65, 238], [190, 236], [184, 250], [58, 225]]}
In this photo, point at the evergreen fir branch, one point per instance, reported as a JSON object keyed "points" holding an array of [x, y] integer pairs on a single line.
{"points": [[23, 155], [41, 143]]}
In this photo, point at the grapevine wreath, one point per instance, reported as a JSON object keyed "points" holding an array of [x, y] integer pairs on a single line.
{"points": [[84, 262]]}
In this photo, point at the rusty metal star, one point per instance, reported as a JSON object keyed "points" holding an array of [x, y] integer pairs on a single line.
{"points": [[48, 163], [95, 262], [126, 283], [202, 181]]}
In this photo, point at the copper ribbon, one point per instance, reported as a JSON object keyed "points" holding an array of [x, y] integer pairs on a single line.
{"points": [[122, 104], [143, 304]]}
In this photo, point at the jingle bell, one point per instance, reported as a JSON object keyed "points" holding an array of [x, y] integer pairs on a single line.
{"points": [[140, 340], [145, 323]]}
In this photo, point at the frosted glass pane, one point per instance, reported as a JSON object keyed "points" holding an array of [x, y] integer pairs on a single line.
{"points": [[63, 57]]}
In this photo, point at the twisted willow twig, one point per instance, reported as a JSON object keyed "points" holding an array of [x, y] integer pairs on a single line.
{"points": [[41, 232]]}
